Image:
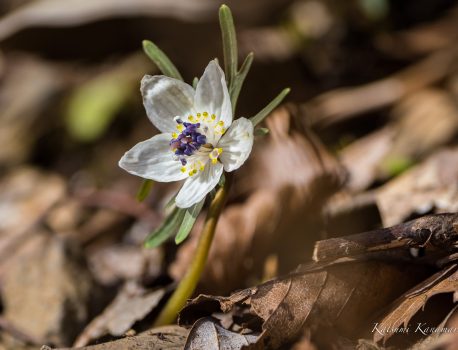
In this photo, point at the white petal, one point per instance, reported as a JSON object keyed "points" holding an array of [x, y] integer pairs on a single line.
{"points": [[164, 99], [197, 187], [236, 144], [153, 159], [212, 95]]}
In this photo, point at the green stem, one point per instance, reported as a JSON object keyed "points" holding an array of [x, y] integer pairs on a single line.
{"points": [[188, 284]]}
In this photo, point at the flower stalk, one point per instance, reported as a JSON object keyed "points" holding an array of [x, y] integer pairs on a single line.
{"points": [[188, 284]]}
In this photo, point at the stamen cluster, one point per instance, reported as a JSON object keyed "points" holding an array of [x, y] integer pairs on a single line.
{"points": [[188, 141]]}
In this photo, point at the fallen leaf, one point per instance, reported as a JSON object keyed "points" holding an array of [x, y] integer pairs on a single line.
{"points": [[47, 292], [410, 303], [207, 333], [131, 304], [342, 296]]}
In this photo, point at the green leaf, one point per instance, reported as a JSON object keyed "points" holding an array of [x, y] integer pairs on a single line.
{"points": [[94, 104], [270, 107], [144, 190], [168, 228], [261, 131], [229, 44], [396, 165], [161, 60], [240, 79], [188, 221]]}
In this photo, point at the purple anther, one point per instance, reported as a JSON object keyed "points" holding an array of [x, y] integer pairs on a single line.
{"points": [[201, 139]]}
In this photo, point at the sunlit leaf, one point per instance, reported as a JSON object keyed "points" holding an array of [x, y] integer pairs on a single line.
{"points": [[144, 190], [188, 221], [269, 108], [240, 79], [168, 228], [229, 44], [161, 60]]}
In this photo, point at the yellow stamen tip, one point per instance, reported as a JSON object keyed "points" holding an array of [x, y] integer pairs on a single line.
{"points": [[213, 116], [214, 160], [183, 169], [220, 150], [205, 114], [174, 135], [221, 123]]}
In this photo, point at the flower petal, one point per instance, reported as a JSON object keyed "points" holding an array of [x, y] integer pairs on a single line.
{"points": [[212, 95], [164, 99], [153, 159], [197, 187], [236, 143]]}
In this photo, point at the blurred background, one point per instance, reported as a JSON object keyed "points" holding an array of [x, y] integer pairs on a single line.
{"points": [[366, 139]]}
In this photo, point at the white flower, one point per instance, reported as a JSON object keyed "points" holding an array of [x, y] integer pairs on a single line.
{"points": [[198, 137]]}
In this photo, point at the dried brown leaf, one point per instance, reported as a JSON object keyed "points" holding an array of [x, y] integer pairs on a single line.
{"points": [[410, 303], [207, 333], [47, 292], [340, 296], [131, 304]]}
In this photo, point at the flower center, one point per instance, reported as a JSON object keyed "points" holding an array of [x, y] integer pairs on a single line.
{"points": [[195, 137]]}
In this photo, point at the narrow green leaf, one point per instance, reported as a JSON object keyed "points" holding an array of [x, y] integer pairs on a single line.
{"points": [[171, 203], [195, 81], [229, 44], [144, 190], [240, 79], [188, 221], [168, 228], [261, 131], [270, 107], [161, 60]]}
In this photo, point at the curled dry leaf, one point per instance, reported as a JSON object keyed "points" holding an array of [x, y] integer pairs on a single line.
{"points": [[162, 338], [410, 303], [131, 304], [343, 296], [287, 179], [208, 334]]}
